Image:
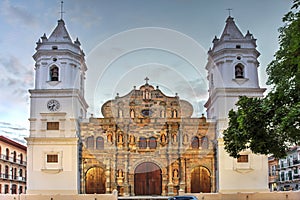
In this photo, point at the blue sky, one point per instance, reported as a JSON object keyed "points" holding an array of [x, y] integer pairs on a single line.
{"points": [[103, 27]]}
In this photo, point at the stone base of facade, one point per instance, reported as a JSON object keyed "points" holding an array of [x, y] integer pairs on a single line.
{"points": [[291, 195], [59, 197]]}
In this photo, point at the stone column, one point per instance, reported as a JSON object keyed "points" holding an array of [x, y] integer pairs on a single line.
{"points": [[182, 174], [108, 174], [170, 177], [126, 184]]}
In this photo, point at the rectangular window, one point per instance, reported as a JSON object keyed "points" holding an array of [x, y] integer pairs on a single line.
{"points": [[52, 158], [242, 159], [14, 189], [6, 189], [20, 189], [52, 125]]}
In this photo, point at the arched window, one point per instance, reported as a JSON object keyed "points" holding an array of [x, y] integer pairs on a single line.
{"points": [[152, 143], [15, 173], [204, 142], [143, 143], [54, 73], [100, 143], [15, 156], [7, 154], [239, 71], [21, 173], [90, 142], [6, 171], [21, 158], [195, 142]]}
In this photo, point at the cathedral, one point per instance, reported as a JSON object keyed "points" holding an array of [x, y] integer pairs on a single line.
{"points": [[146, 143]]}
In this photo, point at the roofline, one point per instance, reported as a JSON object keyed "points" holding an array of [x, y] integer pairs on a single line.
{"points": [[11, 142]]}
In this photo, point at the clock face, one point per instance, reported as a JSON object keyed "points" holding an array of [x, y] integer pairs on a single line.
{"points": [[53, 105]]}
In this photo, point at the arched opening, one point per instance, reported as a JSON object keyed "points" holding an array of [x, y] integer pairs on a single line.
{"points": [[143, 143], [95, 181], [239, 71], [21, 158], [204, 142], [15, 156], [200, 180], [147, 179], [7, 154], [100, 143], [54, 73], [195, 142], [90, 142], [152, 143], [6, 171]]}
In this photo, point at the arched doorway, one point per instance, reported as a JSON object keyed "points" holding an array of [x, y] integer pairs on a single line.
{"points": [[95, 181], [200, 180], [147, 179]]}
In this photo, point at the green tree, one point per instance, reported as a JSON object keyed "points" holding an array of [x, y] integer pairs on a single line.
{"points": [[271, 125]]}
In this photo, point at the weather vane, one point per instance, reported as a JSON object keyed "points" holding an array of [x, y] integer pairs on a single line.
{"points": [[229, 10], [61, 10]]}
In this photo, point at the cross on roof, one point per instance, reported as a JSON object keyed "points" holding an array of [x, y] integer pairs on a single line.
{"points": [[229, 9], [61, 10], [146, 79]]}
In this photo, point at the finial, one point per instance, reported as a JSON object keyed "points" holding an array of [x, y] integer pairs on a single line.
{"points": [[229, 10], [61, 10], [146, 79]]}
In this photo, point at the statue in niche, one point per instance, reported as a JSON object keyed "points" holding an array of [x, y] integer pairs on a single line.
{"points": [[175, 173], [120, 113], [120, 173], [162, 114], [175, 137], [174, 114], [185, 138], [131, 139], [120, 138], [163, 138], [132, 114], [109, 138]]}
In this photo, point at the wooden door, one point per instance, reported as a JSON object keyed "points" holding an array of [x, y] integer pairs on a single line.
{"points": [[147, 179], [95, 181], [200, 180]]}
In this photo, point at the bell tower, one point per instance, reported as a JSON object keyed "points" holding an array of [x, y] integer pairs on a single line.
{"points": [[56, 108], [232, 72]]}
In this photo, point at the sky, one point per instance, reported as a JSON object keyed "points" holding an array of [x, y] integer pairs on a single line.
{"points": [[125, 41]]}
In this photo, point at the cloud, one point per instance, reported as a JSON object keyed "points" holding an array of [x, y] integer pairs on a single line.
{"points": [[85, 14], [14, 132], [16, 14], [15, 77]]}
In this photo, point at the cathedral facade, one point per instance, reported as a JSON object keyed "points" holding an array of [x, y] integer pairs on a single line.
{"points": [[146, 143]]}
